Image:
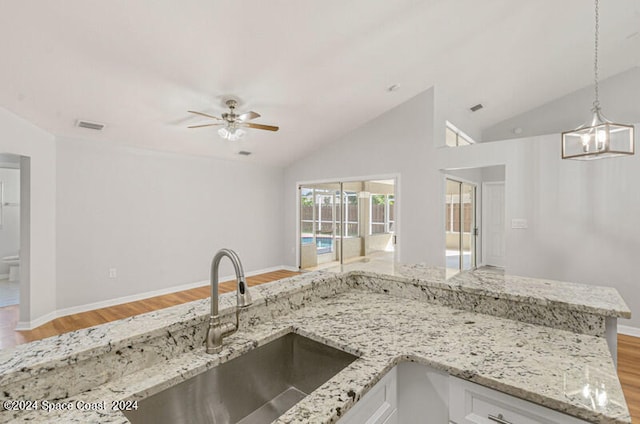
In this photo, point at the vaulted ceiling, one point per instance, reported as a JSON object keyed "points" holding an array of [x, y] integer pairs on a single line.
{"points": [[317, 69]]}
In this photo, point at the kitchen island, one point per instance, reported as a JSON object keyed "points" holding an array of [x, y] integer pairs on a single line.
{"points": [[509, 342]]}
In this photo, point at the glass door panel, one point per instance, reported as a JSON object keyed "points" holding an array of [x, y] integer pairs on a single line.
{"points": [[326, 221], [452, 225], [460, 226], [467, 208], [320, 213], [308, 223]]}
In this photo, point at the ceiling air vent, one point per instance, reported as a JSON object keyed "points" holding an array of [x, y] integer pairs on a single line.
{"points": [[476, 107], [90, 125], [244, 153]]}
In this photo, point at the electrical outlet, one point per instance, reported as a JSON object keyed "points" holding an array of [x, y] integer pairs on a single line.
{"points": [[113, 273]]}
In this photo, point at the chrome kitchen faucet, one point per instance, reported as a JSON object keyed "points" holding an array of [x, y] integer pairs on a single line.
{"points": [[216, 330]]}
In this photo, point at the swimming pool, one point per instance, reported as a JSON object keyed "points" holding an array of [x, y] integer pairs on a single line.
{"points": [[324, 244]]}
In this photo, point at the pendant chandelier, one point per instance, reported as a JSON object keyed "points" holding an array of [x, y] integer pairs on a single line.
{"points": [[598, 138]]}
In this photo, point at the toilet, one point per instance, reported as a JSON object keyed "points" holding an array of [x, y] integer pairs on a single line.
{"points": [[14, 267]]}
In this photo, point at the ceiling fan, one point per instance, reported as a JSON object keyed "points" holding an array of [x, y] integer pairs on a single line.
{"points": [[233, 123]]}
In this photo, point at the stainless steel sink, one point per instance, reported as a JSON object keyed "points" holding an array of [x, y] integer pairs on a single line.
{"points": [[256, 387]]}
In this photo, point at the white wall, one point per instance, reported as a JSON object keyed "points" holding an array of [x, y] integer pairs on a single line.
{"points": [[619, 96], [493, 174], [581, 215], [158, 219], [10, 229], [20, 137], [398, 142]]}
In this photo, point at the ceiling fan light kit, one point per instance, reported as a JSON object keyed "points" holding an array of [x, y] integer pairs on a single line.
{"points": [[231, 133], [233, 123], [598, 138]]}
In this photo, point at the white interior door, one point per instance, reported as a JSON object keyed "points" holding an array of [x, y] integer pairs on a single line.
{"points": [[493, 224]]}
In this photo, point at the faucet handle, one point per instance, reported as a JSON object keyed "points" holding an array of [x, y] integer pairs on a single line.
{"points": [[215, 332]]}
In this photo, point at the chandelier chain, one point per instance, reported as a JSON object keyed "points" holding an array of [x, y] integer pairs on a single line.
{"points": [[596, 102]]}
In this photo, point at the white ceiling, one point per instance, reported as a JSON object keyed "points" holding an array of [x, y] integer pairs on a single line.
{"points": [[316, 68]]}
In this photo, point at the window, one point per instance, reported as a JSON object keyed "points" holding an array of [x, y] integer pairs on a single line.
{"points": [[320, 217], [306, 215], [453, 213], [454, 137], [317, 218], [382, 214], [325, 219], [351, 213]]}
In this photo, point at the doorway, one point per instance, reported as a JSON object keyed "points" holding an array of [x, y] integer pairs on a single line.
{"points": [[9, 230], [460, 226], [346, 222]]}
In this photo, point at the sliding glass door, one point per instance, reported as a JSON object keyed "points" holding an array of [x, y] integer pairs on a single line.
{"points": [[320, 215], [460, 227], [346, 222]]}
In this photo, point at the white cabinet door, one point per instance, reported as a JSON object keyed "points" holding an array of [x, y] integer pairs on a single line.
{"points": [[423, 394], [470, 403], [377, 406], [393, 418]]}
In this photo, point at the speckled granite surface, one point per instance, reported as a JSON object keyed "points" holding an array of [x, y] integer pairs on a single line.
{"points": [[587, 298], [526, 309], [596, 300], [140, 356], [93, 356]]}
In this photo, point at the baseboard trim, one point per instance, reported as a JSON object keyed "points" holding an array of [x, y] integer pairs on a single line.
{"points": [[628, 330], [126, 299], [286, 268], [30, 325]]}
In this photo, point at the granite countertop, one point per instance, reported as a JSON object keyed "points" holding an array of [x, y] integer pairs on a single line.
{"points": [[540, 364], [597, 300]]}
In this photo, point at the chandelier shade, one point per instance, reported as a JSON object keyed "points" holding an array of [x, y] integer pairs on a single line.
{"points": [[600, 138]]}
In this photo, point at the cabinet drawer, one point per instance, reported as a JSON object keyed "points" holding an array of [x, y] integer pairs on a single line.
{"points": [[470, 403]]}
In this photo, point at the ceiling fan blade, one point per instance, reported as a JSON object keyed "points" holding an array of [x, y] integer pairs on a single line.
{"points": [[261, 127], [204, 114], [203, 125], [248, 116]]}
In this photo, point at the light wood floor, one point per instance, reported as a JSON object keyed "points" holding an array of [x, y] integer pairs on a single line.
{"points": [[628, 347], [629, 373], [9, 315]]}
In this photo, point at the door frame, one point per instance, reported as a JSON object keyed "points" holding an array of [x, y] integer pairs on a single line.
{"points": [[25, 319], [338, 180]]}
